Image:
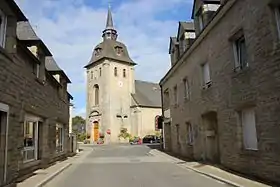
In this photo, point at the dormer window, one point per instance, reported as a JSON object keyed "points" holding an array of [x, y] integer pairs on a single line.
{"points": [[119, 50], [3, 23], [97, 51], [182, 44]]}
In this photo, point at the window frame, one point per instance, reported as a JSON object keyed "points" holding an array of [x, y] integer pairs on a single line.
{"points": [[35, 121], [237, 54], [176, 95], [186, 89], [277, 19], [5, 109], [3, 29], [190, 138], [242, 122], [59, 143], [206, 83]]}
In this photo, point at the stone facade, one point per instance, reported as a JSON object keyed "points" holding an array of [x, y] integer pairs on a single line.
{"points": [[27, 97], [207, 125]]}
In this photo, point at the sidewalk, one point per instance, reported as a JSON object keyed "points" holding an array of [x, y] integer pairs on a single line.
{"points": [[43, 176], [211, 171]]}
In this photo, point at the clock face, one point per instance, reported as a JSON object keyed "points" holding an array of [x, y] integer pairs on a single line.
{"points": [[120, 83]]}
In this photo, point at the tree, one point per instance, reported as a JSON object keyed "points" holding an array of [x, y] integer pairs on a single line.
{"points": [[78, 124]]}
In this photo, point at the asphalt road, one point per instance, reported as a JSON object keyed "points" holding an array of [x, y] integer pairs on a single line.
{"points": [[128, 166]]}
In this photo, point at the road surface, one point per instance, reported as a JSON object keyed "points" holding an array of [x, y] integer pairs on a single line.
{"points": [[128, 166]]}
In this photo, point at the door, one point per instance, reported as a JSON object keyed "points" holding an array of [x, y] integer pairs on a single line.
{"points": [[3, 126], [212, 137]]}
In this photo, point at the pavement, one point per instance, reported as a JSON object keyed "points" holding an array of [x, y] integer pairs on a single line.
{"points": [[132, 166]]}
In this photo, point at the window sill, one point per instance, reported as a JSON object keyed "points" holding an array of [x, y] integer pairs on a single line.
{"points": [[42, 82], [249, 152], [240, 72], [30, 163], [207, 86], [186, 99]]}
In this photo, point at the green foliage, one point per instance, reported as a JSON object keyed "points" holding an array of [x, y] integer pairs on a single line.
{"points": [[78, 120], [124, 134], [81, 137]]}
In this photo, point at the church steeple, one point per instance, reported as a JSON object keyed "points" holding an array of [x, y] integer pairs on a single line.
{"points": [[110, 33]]}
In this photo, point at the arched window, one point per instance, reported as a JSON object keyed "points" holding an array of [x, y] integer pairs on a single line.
{"points": [[124, 73], [116, 71], [91, 74], [96, 94], [100, 72]]}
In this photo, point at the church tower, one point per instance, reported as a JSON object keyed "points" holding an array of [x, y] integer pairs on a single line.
{"points": [[110, 83]]}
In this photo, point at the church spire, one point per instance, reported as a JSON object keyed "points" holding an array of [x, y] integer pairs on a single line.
{"points": [[110, 33]]}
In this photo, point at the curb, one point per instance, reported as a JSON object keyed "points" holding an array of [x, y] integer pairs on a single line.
{"points": [[45, 181], [160, 153], [215, 177]]}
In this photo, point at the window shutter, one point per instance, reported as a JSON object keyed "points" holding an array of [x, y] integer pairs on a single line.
{"points": [[206, 73], [249, 129]]}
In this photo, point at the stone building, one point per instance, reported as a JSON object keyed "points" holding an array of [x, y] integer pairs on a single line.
{"points": [[114, 100], [34, 102], [221, 95]]}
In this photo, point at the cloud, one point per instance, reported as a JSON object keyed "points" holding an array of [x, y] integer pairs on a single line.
{"points": [[72, 28]]}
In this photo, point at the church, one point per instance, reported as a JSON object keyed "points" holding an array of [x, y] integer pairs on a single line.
{"points": [[115, 100]]}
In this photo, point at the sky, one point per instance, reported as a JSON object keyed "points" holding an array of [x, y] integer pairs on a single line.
{"points": [[72, 28]]}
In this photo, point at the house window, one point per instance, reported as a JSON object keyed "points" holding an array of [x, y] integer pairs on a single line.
{"points": [[124, 73], [277, 15], [240, 53], [96, 94], [4, 109], [30, 133], [116, 71], [175, 95], [37, 70], [248, 123], [206, 75], [182, 44], [3, 25], [166, 99], [200, 22], [186, 89], [59, 137], [190, 137], [100, 72]]}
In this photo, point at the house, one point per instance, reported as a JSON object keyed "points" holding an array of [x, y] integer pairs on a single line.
{"points": [[34, 102], [221, 95], [115, 100]]}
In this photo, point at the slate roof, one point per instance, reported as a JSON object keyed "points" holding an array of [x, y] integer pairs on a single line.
{"points": [[25, 31], [16, 9], [147, 94], [52, 66], [108, 51], [187, 26]]}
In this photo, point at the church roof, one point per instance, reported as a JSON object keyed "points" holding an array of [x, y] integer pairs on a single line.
{"points": [[147, 94], [108, 50]]}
